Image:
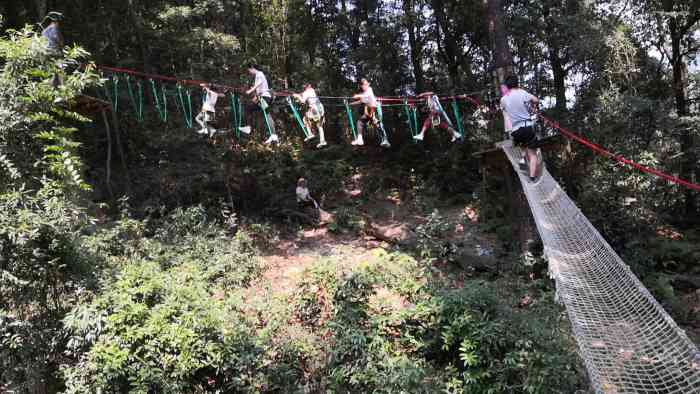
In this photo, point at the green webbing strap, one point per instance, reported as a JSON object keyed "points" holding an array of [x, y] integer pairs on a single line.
{"points": [[264, 111], [458, 118], [436, 100], [350, 120], [136, 105], [409, 118], [161, 106], [114, 96], [186, 106], [240, 111], [380, 114], [234, 114], [297, 116], [414, 113]]}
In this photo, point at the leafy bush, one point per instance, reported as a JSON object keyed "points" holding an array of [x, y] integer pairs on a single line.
{"points": [[431, 238], [159, 330]]}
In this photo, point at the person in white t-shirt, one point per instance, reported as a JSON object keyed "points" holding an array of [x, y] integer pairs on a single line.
{"points": [[261, 102], [315, 115], [208, 112], [517, 107], [303, 196], [436, 118], [369, 115]]}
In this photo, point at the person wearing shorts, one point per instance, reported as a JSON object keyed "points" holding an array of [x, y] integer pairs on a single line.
{"points": [[315, 114], [370, 114], [436, 118], [516, 106], [261, 102]]}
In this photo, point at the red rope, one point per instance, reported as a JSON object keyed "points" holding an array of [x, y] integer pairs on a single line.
{"points": [[620, 159], [192, 82]]}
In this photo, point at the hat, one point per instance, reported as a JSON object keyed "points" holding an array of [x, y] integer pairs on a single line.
{"points": [[54, 16]]}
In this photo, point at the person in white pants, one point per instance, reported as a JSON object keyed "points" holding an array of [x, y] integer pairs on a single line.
{"points": [[261, 102], [315, 114], [208, 112]]}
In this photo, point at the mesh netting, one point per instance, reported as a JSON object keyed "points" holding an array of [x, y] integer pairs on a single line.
{"points": [[628, 343]]}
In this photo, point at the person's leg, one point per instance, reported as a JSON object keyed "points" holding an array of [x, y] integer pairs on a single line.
{"points": [[532, 161], [426, 124], [361, 124], [200, 120], [250, 110], [308, 124], [321, 134]]}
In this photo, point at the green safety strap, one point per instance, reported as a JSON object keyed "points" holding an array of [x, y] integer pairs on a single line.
{"points": [[240, 111], [185, 105], [458, 118], [350, 120], [264, 111], [409, 117], [234, 114], [297, 116], [114, 95], [380, 114], [414, 113], [137, 105], [161, 104]]}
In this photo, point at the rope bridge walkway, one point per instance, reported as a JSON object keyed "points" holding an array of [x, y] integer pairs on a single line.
{"points": [[629, 344]]}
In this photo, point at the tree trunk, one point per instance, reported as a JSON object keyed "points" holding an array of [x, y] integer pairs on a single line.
{"points": [[503, 59], [414, 40], [680, 92], [41, 8], [555, 61], [108, 164], [449, 44]]}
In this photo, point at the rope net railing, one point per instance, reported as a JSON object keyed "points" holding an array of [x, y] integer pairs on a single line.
{"points": [[628, 343]]}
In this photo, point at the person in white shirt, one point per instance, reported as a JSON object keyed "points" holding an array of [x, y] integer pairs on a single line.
{"points": [[261, 102], [517, 106], [436, 118], [315, 114], [208, 112], [370, 114], [303, 196]]}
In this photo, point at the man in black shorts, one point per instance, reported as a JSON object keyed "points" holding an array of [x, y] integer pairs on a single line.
{"points": [[516, 106]]}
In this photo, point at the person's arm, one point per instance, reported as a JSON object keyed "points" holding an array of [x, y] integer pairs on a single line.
{"points": [[256, 85]]}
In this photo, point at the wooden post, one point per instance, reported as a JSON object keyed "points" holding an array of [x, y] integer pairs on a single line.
{"points": [[108, 164]]}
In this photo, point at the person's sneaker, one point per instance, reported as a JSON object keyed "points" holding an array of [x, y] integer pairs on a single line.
{"points": [[309, 138], [358, 141], [321, 144], [456, 137], [385, 144], [202, 131], [212, 131], [245, 129], [273, 138], [418, 137]]}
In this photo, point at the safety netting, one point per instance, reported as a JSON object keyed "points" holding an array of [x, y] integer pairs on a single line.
{"points": [[628, 343]]}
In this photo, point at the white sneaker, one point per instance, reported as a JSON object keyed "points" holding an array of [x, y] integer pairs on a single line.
{"points": [[202, 131], [321, 144], [273, 138], [456, 137], [385, 144], [418, 137], [245, 129], [358, 141], [309, 138], [212, 131]]}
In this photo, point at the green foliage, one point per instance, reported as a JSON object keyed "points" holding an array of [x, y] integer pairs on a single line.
{"points": [[36, 127], [431, 238], [42, 272]]}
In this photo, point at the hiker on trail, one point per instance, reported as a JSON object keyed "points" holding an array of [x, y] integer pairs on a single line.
{"points": [[304, 198], [436, 118], [315, 113], [55, 43], [517, 105], [52, 33], [261, 102], [208, 112], [370, 114]]}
